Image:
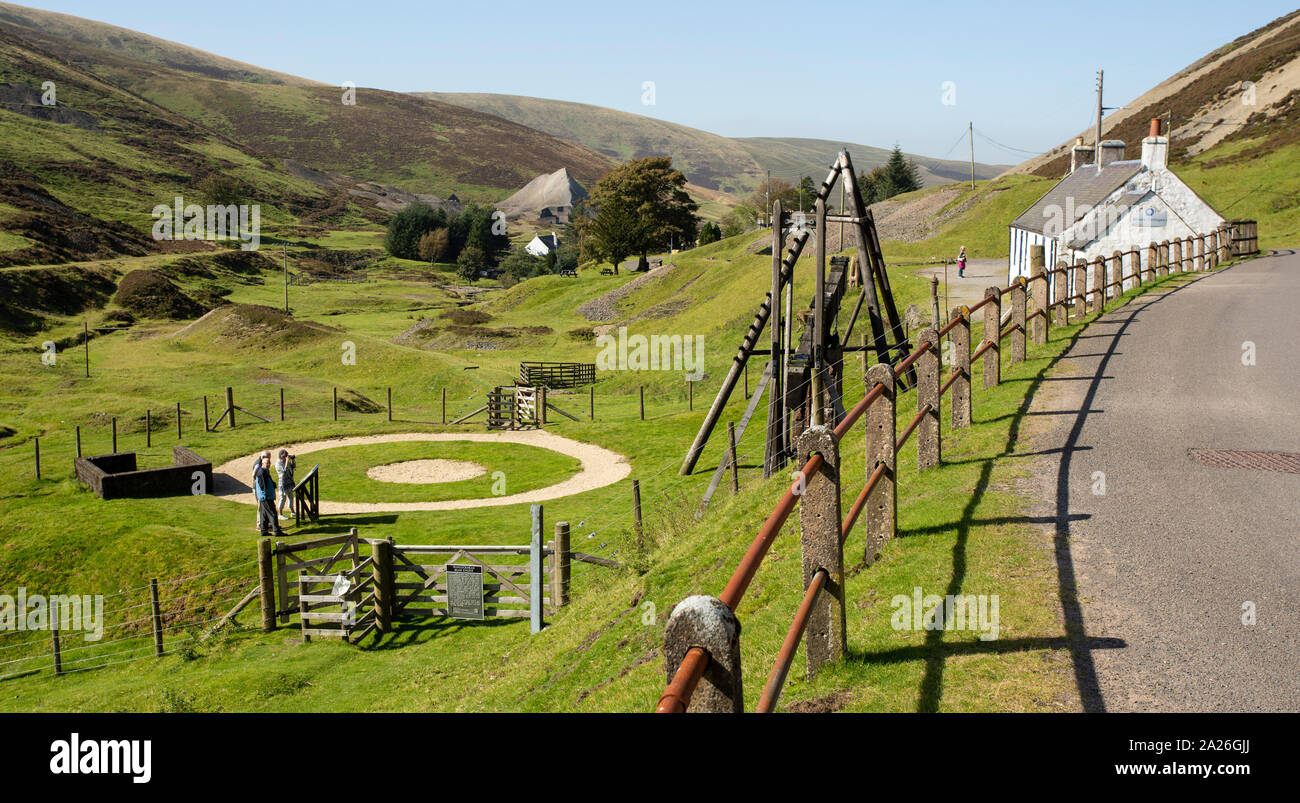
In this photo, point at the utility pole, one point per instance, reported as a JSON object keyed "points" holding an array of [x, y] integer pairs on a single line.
{"points": [[972, 154], [1096, 156], [768, 200], [286, 276]]}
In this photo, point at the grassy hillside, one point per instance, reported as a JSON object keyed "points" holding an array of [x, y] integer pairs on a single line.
{"points": [[732, 165]]}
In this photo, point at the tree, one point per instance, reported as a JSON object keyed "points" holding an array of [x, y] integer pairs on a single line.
{"points": [[476, 225], [769, 192], [408, 226], [647, 197], [807, 195], [218, 189], [611, 235], [470, 262], [903, 173], [710, 232], [520, 265], [742, 219], [435, 246]]}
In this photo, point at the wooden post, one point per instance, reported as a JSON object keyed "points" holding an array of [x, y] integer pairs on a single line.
{"points": [[1080, 284], [819, 527], [444, 405], [281, 404], [54, 637], [282, 581], [38, 457], [114, 434], [85, 338], [230, 406], [636, 515], [157, 618], [959, 338], [591, 403], [1060, 307], [206, 426], [336, 404], [540, 401], [390, 404], [178, 421], [560, 567], [381, 554], [1096, 297], [731, 451], [690, 395], [1038, 290], [535, 586], [881, 436], [1117, 274], [78, 440], [1162, 264], [992, 334], [642, 392], [266, 582], [1018, 313], [148, 428], [928, 450]]}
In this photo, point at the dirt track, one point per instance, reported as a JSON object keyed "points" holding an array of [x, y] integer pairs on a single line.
{"points": [[599, 467]]}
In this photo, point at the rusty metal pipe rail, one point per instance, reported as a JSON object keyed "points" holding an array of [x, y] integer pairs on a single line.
{"points": [[776, 680], [676, 696], [979, 352], [911, 427], [860, 503]]}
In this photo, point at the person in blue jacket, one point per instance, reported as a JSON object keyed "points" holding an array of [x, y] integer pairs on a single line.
{"points": [[264, 490]]}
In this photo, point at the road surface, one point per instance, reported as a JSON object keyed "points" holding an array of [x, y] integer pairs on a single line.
{"points": [[1171, 557]]}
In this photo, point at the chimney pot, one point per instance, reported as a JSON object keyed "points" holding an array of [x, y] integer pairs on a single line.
{"points": [[1155, 127]]}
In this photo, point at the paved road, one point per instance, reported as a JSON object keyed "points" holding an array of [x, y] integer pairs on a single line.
{"points": [[1168, 556]]}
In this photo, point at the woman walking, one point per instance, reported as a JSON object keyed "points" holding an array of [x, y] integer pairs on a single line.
{"points": [[961, 263]]}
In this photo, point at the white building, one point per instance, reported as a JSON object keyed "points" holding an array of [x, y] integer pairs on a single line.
{"points": [[543, 244], [1115, 206]]}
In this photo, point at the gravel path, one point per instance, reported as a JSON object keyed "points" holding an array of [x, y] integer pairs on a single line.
{"points": [[599, 467]]}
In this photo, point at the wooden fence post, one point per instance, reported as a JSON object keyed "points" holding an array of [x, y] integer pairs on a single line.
{"points": [[959, 338], [881, 434], [230, 406], [591, 403], [1162, 261], [819, 533], [157, 618], [78, 428], [206, 426], [1149, 269], [540, 401], [178, 421], [281, 404], [1225, 250], [336, 404], [560, 567], [928, 450], [992, 334], [1080, 285], [444, 405], [282, 582], [381, 560], [1038, 290], [266, 582], [731, 452], [38, 457], [1116, 275], [1018, 313], [390, 404], [1060, 307], [54, 637], [148, 428], [701, 622], [636, 515], [114, 434], [536, 588], [642, 392]]}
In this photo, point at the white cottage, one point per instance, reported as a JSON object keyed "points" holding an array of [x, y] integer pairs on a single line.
{"points": [[1109, 205], [543, 244]]}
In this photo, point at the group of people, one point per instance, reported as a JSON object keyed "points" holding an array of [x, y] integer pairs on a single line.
{"points": [[265, 486]]}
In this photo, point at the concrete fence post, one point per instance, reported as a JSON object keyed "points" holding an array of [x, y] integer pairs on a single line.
{"points": [[882, 435], [959, 337], [1175, 256], [1162, 262], [1080, 282], [705, 622], [266, 582], [1060, 307], [1153, 257], [992, 334], [928, 449], [819, 535], [1038, 294], [1018, 313]]}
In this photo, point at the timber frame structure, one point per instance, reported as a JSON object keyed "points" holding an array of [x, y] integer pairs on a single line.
{"points": [[815, 363]]}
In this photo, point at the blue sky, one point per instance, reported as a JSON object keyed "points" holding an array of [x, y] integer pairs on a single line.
{"points": [[1024, 73]]}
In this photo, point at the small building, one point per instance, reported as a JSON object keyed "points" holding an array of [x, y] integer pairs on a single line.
{"points": [[1107, 204], [543, 244], [555, 215]]}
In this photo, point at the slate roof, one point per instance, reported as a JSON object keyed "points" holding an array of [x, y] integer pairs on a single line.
{"points": [[1086, 185]]}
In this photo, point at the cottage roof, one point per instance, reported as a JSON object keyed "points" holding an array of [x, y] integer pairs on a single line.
{"points": [[1087, 186]]}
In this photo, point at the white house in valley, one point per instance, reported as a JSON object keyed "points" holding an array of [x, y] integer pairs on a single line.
{"points": [[1109, 205], [543, 244]]}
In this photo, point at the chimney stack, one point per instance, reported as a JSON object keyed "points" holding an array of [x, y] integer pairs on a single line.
{"points": [[1080, 155], [1112, 150], [1155, 148]]}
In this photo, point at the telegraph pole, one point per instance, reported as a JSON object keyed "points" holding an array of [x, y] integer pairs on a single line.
{"points": [[972, 154], [286, 276], [1096, 157]]}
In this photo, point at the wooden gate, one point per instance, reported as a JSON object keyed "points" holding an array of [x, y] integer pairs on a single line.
{"points": [[316, 558], [501, 408], [306, 497], [525, 405], [420, 586], [344, 607]]}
